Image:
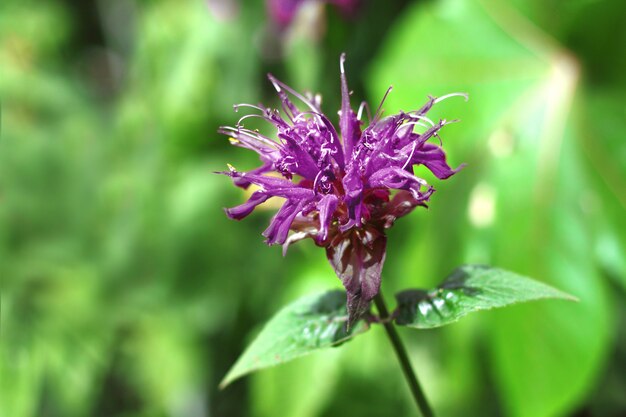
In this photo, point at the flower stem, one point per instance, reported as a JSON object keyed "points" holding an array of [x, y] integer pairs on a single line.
{"points": [[403, 358]]}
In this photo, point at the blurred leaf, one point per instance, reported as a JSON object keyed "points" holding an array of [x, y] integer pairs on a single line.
{"points": [[524, 211], [601, 128], [304, 326], [450, 59], [547, 357], [469, 288]]}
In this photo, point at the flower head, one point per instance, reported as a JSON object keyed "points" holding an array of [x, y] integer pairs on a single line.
{"points": [[342, 188]]}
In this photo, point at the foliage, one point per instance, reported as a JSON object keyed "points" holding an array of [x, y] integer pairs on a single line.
{"points": [[308, 324], [468, 289], [321, 321]]}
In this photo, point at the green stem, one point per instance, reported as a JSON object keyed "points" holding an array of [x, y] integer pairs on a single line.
{"points": [[403, 358]]}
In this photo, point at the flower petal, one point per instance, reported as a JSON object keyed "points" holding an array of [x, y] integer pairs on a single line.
{"points": [[399, 179], [250, 139], [353, 186], [434, 158], [349, 125], [302, 163], [278, 229], [241, 211], [264, 181], [400, 205], [244, 183], [326, 206]]}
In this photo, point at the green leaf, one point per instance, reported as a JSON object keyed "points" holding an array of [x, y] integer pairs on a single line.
{"points": [[469, 288], [308, 324]]}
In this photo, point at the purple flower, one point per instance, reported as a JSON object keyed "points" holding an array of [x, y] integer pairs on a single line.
{"points": [[284, 11], [337, 185]]}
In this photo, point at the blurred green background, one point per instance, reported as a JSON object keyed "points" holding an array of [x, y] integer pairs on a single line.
{"points": [[127, 292]]}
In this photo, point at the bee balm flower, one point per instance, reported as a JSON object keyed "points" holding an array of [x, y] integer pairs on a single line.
{"points": [[341, 188]]}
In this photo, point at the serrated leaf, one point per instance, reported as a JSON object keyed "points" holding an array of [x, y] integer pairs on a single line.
{"points": [[469, 288], [308, 324]]}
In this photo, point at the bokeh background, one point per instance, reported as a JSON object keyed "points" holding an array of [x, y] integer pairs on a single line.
{"points": [[127, 292]]}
